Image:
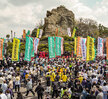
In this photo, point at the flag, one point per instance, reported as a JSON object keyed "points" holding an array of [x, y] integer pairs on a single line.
{"points": [[79, 54], [40, 33], [75, 46], [100, 46], [73, 34], [37, 35], [36, 44], [51, 46], [90, 49], [24, 34], [32, 52], [28, 33], [28, 48], [1, 48], [83, 48], [62, 45], [15, 49], [69, 32], [58, 46]]}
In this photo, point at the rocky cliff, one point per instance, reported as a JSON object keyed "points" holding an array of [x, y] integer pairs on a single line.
{"points": [[60, 18]]}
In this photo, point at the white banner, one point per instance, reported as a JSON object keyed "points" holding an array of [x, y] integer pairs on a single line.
{"points": [[36, 43], [100, 46], [40, 34], [83, 48], [69, 32]]}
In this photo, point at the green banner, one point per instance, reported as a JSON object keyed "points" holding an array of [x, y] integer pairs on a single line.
{"points": [[32, 53], [51, 46], [58, 46], [28, 48]]}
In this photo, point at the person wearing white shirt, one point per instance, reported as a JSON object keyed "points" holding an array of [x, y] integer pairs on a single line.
{"points": [[2, 95], [105, 90], [4, 86], [94, 80], [1, 80]]}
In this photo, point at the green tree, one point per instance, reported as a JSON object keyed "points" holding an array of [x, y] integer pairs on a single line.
{"points": [[7, 36]]}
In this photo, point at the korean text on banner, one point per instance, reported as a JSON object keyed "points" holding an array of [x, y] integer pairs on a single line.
{"points": [[15, 49], [90, 49], [100, 46], [79, 53], [51, 45], [58, 46], [62, 45], [83, 48], [36, 44], [28, 48], [75, 46]]}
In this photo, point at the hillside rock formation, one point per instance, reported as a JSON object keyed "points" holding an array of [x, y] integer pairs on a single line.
{"points": [[60, 18]]}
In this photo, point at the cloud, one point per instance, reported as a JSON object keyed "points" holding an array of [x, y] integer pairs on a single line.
{"points": [[17, 15]]}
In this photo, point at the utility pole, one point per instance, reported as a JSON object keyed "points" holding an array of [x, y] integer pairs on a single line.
{"points": [[11, 34], [14, 34]]}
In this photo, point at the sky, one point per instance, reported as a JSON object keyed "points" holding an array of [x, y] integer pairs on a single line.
{"points": [[17, 15]]}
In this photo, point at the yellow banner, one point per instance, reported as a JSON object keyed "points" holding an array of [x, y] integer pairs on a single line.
{"points": [[75, 46], [1, 49], [37, 35], [74, 31], [15, 50], [90, 49], [79, 53]]}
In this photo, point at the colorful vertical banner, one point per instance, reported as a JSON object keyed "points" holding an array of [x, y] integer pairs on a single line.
{"points": [[37, 35], [28, 33], [73, 34], [32, 53], [1, 48], [36, 44], [107, 48], [75, 46], [24, 34], [15, 49], [58, 46], [62, 45], [83, 48], [69, 32], [51, 45], [28, 48], [90, 49], [40, 33], [100, 46], [79, 54]]}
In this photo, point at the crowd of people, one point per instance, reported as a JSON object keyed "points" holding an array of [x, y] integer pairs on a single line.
{"points": [[62, 78]]}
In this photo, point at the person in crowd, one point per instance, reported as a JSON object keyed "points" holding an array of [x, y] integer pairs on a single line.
{"points": [[29, 87], [17, 83], [4, 86], [100, 94], [39, 89], [2, 95]]}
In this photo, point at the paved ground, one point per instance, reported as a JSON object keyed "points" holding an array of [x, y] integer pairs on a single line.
{"points": [[30, 95]]}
